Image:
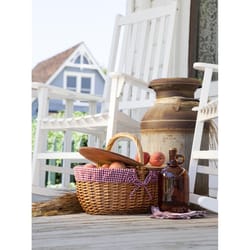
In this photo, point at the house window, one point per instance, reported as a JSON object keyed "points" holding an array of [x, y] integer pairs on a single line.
{"points": [[81, 59], [78, 60], [85, 61], [85, 85], [71, 83], [79, 82]]}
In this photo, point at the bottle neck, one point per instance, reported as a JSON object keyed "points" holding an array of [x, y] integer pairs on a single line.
{"points": [[172, 163]]}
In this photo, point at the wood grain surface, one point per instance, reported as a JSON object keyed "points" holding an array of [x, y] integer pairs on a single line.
{"points": [[83, 231]]}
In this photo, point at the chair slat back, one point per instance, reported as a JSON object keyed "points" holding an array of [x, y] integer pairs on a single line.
{"points": [[141, 48]]}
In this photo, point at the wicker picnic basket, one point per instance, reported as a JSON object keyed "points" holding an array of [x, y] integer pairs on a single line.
{"points": [[116, 191]]}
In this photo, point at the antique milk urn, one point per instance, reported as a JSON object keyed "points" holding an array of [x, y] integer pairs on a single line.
{"points": [[170, 122]]}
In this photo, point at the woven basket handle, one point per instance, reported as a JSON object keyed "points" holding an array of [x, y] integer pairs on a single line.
{"points": [[128, 136]]}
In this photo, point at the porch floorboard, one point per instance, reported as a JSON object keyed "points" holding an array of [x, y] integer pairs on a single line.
{"points": [[84, 231]]}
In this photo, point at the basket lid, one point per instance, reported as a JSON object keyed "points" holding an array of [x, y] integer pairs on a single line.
{"points": [[101, 156]]}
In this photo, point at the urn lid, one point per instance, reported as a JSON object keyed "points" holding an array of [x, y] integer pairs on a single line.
{"points": [[181, 86]]}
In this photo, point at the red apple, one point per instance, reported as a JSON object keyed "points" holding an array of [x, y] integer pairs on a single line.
{"points": [[157, 159], [117, 164], [105, 165], [90, 165], [146, 157]]}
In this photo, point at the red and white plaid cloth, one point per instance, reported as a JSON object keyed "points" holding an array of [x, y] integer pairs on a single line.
{"points": [[157, 214], [115, 176]]}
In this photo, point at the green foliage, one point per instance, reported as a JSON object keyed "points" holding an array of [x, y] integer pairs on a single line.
{"points": [[55, 141], [104, 70], [55, 138]]}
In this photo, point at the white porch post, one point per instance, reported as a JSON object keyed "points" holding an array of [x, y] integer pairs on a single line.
{"points": [[69, 106], [92, 111], [179, 60], [113, 108], [38, 176]]}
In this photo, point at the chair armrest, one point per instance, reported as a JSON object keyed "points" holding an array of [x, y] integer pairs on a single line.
{"points": [[202, 66], [130, 79], [213, 92], [61, 93]]}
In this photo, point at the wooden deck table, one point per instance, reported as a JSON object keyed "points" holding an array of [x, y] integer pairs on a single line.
{"points": [[84, 231]]}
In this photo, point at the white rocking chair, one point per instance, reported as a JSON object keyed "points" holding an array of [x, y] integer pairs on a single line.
{"points": [[207, 110], [140, 52]]}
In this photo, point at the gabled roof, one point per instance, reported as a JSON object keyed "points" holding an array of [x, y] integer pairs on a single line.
{"points": [[45, 69]]}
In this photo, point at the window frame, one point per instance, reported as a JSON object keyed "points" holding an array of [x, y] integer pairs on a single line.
{"points": [[79, 76]]}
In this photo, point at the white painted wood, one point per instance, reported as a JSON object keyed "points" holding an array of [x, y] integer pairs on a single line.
{"points": [[193, 198], [136, 55], [92, 111], [67, 143], [64, 171], [60, 93], [86, 66], [144, 27], [131, 49], [155, 3], [213, 192], [158, 51], [41, 137], [205, 154], [209, 202], [142, 4], [149, 51], [44, 92], [212, 97], [178, 65], [148, 14], [112, 61], [113, 108], [49, 192], [180, 56], [64, 155], [129, 7], [213, 92], [206, 110], [207, 170], [131, 35]]}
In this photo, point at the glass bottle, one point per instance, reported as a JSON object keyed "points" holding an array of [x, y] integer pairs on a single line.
{"points": [[174, 185]]}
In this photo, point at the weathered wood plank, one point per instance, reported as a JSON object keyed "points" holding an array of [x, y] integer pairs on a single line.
{"points": [[83, 231]]}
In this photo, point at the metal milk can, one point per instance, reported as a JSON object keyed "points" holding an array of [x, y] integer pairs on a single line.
{"points": [[170, 122]]}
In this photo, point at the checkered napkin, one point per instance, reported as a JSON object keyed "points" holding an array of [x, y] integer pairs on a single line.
{"points": [[115, 176], [157, 214]]}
